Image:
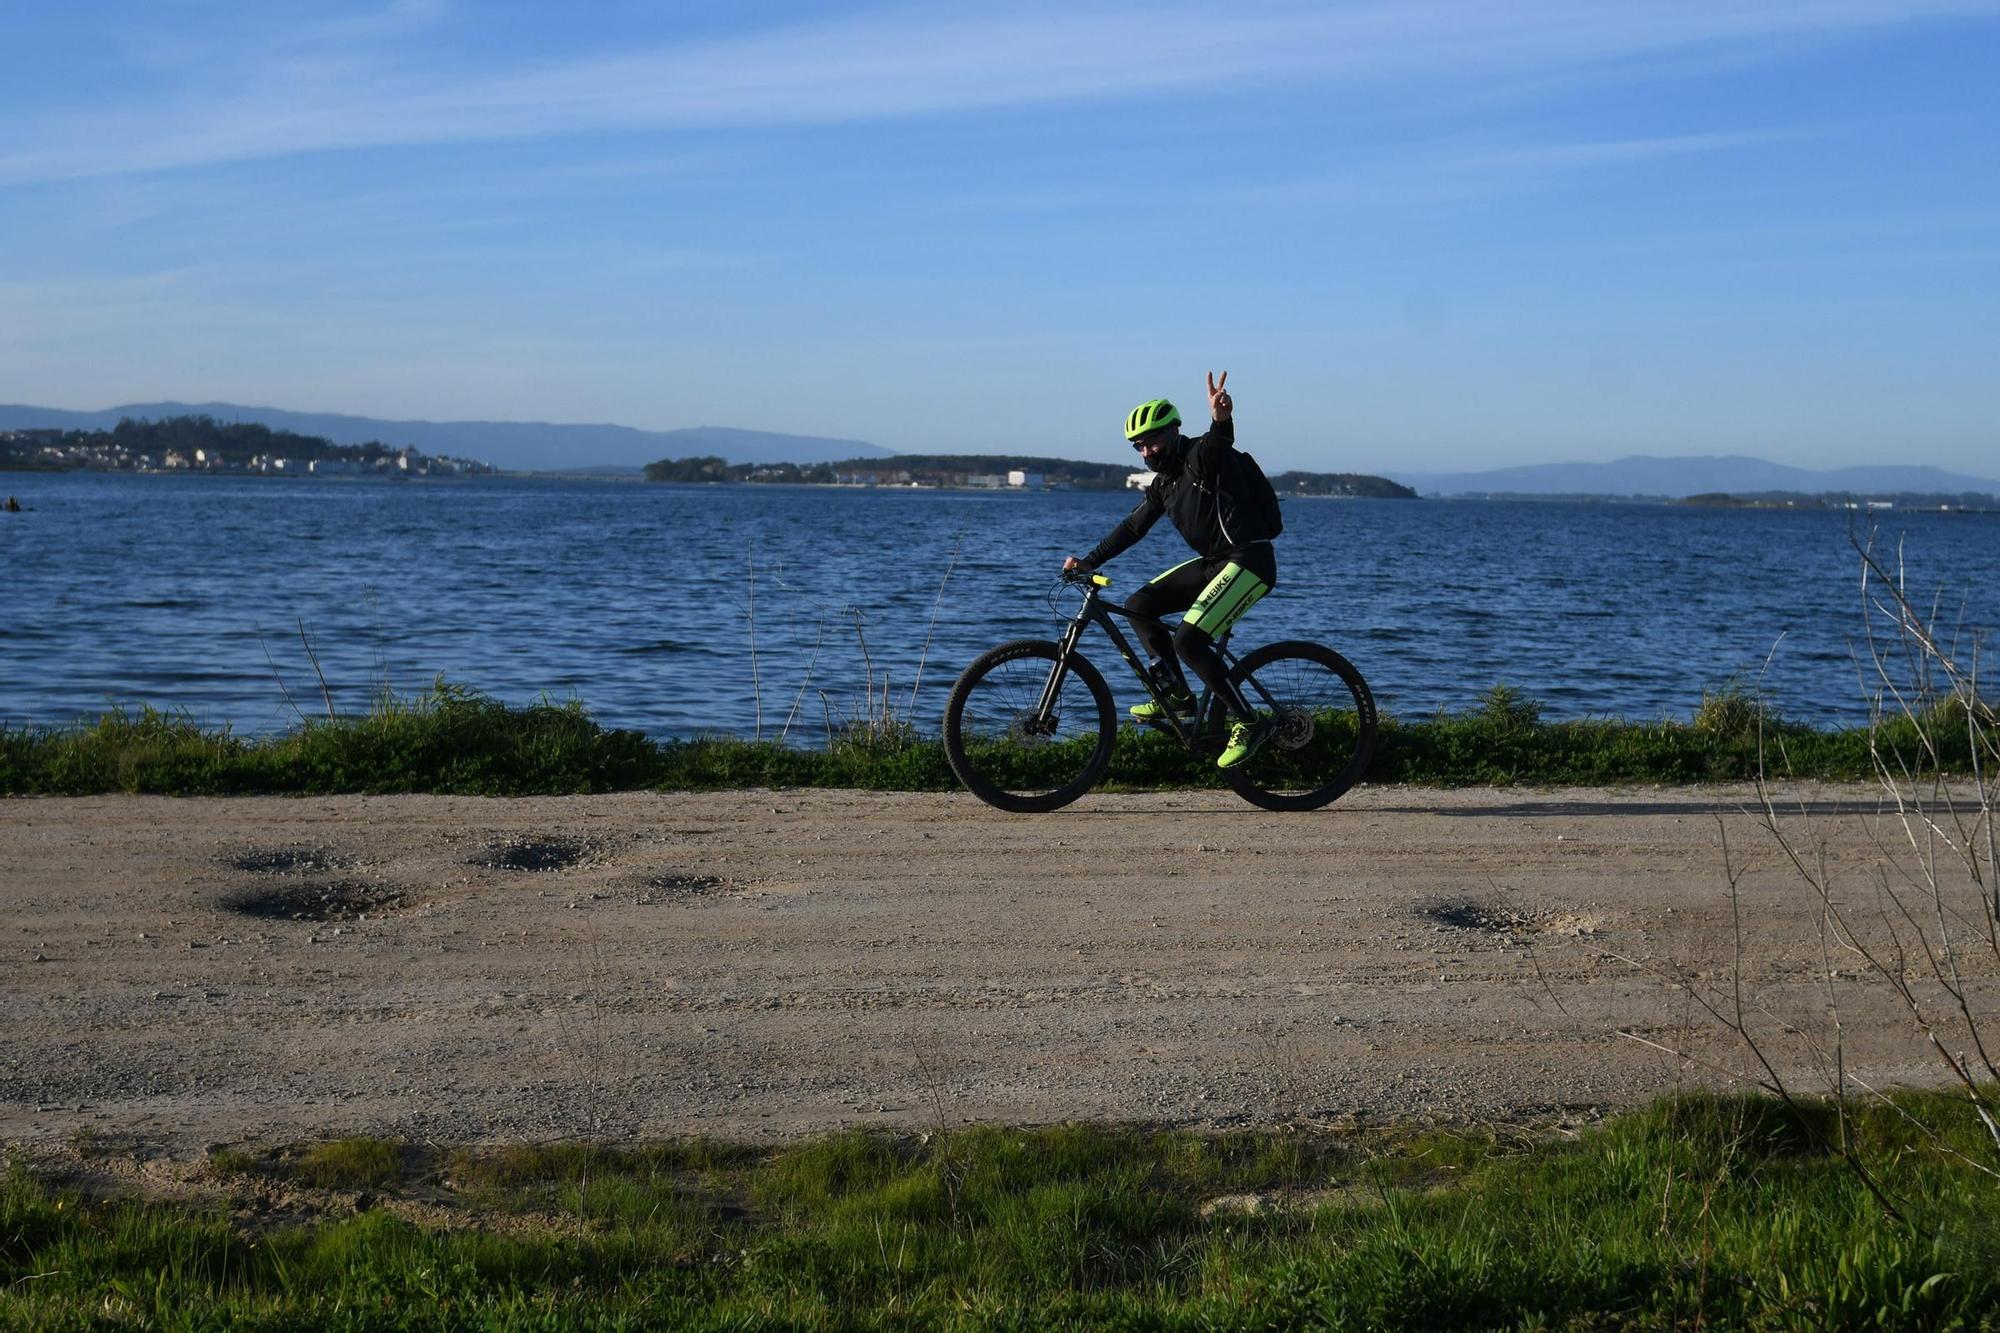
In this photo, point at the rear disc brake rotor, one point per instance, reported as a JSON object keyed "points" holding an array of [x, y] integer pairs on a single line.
{"points": [[1295, 728]]}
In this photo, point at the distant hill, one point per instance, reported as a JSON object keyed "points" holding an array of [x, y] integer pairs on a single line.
{"points": [[203, 444], [533, 446], [1355, 485], [1679, 478]]}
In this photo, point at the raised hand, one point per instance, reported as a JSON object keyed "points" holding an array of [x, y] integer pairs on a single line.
{"points": [[1219, 405]]}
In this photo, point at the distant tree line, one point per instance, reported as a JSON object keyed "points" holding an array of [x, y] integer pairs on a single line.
{"points": [[1356, 484], [1070, 472], [201, 443], [931, 469], [236, 441], [1978, 501], [707, 467], [951, 469]]}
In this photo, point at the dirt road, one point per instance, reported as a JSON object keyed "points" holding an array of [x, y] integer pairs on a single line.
{"points": [[772, 964]]}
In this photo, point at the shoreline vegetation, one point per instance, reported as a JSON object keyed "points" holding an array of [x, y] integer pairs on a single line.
{"points": [[1699, 1210], [452, 740], [1873, 502]]}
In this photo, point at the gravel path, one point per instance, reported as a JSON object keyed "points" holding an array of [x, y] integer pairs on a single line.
{"points": [[768, 964]]}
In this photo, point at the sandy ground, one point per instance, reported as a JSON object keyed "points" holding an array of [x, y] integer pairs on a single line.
{"points": [[766, 965]]}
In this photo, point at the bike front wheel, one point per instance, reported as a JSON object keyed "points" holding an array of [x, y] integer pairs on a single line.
{"points": [[1325, 726], [1009, 750]]}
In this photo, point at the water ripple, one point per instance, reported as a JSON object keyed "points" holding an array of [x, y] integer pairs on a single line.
{"points": [[638, 599]]}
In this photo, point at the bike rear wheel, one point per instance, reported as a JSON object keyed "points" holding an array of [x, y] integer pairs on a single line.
{"points": [[1325, 733], [1011, 753]]}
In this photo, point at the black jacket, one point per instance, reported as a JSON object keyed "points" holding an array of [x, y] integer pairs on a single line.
{"points": [[1196, 489]]}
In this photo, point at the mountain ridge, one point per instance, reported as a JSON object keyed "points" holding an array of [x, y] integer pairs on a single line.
{"points": [[1678, 478]]}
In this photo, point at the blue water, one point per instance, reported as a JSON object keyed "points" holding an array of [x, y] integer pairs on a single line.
{"points": [[645, 601]]}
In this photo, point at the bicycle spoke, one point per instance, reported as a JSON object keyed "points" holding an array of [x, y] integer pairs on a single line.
{"points": [[1325, 728], [1013, 753]]}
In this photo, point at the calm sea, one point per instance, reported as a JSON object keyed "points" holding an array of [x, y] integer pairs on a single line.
{"points": [[749, 609]]}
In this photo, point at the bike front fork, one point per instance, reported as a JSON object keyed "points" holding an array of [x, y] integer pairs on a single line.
{"points": [[1045, 710]]}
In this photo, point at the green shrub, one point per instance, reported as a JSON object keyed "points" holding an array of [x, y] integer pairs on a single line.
{"points": [[1505, 710], [1729, 712]]}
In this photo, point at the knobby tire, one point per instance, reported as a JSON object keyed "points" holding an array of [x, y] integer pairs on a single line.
{"points": [[1326, 732], [1002, 752]]}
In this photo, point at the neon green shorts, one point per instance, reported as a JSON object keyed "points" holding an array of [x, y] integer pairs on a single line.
{"points": [[1229, 592], [1225, 599]]}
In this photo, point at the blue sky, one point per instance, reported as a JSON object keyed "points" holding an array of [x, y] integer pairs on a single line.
{"points": [[1435, 234]]}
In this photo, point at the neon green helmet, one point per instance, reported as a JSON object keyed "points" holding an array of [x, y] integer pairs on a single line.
{"points": [[1151, 416]]}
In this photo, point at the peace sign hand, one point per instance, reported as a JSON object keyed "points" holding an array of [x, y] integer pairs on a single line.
{"points": [[1219, 405]]}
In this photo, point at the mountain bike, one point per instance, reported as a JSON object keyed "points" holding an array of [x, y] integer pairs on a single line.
{"points": [[1030, 725]]}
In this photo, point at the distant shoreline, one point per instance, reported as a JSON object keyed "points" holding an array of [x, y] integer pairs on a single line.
{"points": [[1798, 504]]}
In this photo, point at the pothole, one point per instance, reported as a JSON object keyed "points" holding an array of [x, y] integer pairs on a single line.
{"points": [[534, 854], [291, 860], [1471, 914], [673, 886], [318, 900]]}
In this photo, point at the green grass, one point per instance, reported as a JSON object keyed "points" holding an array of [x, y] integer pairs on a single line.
{"points": [[454, 740], [447, 740], [1716, 1211], [350, 1164], [227, 1161]]}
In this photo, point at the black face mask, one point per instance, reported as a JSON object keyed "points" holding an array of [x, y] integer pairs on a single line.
{"points": [[1168, 461]]}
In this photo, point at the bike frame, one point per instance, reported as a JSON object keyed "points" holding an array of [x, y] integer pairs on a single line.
{"points": [[1096, 609]]}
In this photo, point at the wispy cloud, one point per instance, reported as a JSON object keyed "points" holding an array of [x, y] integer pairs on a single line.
{"points": [[1423, 173], [367, 83], [45, 320], [44, 297], [1440, 175], [397, 20], [1611, 152]]}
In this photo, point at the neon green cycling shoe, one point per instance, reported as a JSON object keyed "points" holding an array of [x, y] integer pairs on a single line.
{"points": [[1245, 739], [1178, 703]]}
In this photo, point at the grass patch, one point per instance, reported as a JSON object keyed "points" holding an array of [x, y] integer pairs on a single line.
{"points": [[1725, 1211], [225, 1161], [349, 1164], [452, 740]]}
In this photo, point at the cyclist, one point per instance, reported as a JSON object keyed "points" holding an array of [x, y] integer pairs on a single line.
{"points": [[1206, 488]]}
